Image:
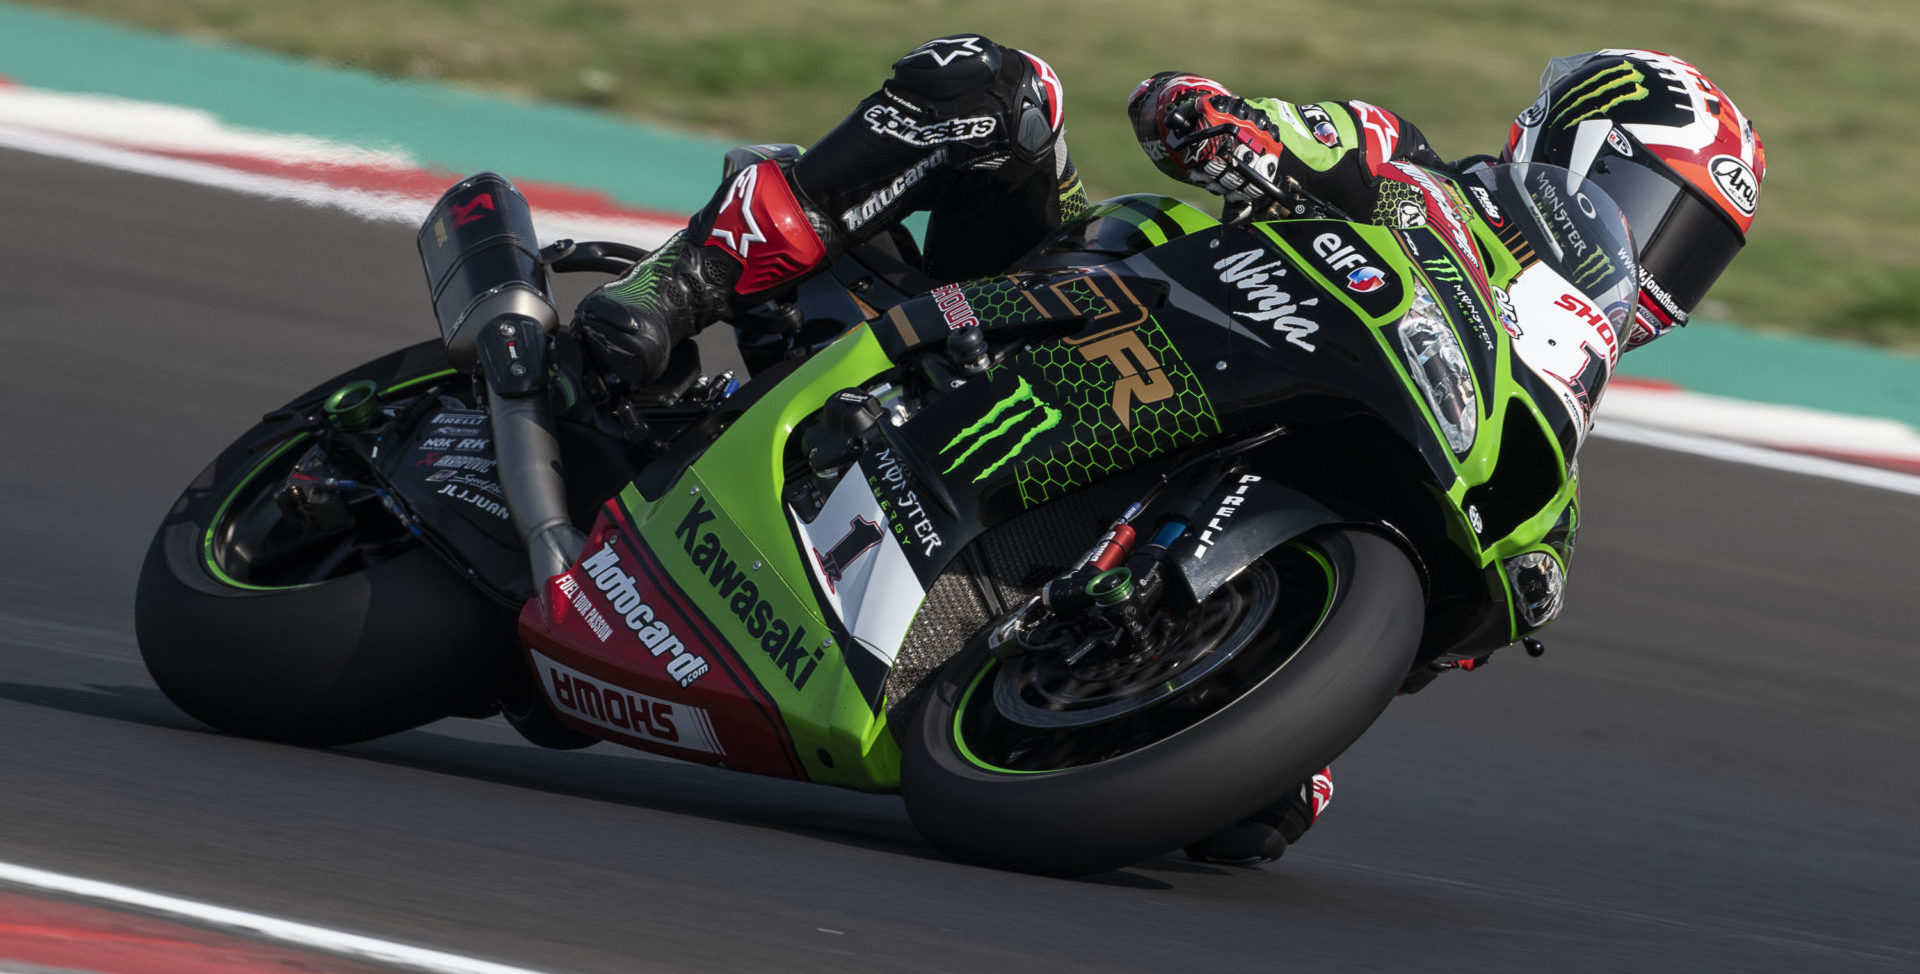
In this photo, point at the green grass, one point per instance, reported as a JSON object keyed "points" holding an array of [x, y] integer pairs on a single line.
{"points": [[1831, 87]]}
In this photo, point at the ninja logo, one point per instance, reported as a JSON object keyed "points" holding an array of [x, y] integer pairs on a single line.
{"points": [[1020, 415], [860, 538], [1258, 281]]}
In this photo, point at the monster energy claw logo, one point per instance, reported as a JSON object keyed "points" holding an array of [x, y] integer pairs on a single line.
{"points": [[1018, 409], [1592, 270], [1442, 271], [1600, 92]]}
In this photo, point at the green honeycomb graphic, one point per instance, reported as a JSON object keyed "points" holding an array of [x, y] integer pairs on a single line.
{"points": [[1095, 444], [999, 301], [1393, 195]]}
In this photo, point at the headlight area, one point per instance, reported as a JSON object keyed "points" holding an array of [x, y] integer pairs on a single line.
{"points": [[1537, 586], [1439, 368]]}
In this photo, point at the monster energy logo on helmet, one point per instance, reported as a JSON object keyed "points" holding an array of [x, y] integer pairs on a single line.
{"points": [[1599, 92], [1592, 270], [1018, 409]]}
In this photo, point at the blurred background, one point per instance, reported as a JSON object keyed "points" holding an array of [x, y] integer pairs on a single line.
{"points": [[1830, 85]]}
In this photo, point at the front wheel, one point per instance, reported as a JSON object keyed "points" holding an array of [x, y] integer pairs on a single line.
{"points": [[1033, 765]]}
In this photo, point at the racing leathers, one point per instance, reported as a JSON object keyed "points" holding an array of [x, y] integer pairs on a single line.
{"points": [[965, 128], [974, 132]]}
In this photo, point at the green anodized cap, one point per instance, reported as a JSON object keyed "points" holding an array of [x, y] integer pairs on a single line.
{"points": [[1111, 587], [353, 405]]}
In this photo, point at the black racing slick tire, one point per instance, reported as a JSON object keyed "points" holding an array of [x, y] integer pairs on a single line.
{"points": [[369, 647], [1296, 696]]}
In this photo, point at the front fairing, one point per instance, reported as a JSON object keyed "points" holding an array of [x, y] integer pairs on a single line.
{"points": [[1223, 330]]}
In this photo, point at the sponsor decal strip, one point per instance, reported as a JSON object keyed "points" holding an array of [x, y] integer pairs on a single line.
{"points": [[254, 924], [648, 565]]}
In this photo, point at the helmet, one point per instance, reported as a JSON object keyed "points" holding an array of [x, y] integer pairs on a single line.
{"points": [[1670, 147]]}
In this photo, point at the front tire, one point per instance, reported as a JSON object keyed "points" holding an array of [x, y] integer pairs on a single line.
{"points": [[323, 641], [1079, 797]]}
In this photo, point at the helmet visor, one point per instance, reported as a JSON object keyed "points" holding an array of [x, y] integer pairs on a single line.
{"points": [[1683, 243]]}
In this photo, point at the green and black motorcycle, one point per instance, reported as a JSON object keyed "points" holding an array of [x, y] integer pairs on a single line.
{"points": [[1087, 560]]}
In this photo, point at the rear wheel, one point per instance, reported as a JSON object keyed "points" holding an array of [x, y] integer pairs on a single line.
{"points": [[1036, 765], [261, 626]]}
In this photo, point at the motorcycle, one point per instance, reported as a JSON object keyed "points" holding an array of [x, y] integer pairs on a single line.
{"points": [[1088, 560]]}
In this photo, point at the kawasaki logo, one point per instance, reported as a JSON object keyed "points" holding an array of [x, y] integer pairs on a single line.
{"points": [[624, 596], [1029, 408], [784, 642], [1600, 92]]}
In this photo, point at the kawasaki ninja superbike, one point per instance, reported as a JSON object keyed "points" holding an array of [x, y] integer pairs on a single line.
{"points": [[1088, 560]]}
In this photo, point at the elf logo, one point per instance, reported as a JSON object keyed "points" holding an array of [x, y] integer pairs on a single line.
{"points": [[1340, 255]]}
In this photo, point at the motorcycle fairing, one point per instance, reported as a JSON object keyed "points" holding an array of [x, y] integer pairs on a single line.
{"points": [[614, 642], [861, 564]]}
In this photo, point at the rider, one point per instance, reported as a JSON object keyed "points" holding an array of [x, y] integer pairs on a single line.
{"points": [[973, 132]]}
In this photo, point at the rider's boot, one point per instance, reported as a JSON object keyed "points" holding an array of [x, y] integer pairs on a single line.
{"points": [[1265, 836], [965, 127], [758, 235]]}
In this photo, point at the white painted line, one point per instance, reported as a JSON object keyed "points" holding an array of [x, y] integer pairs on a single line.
{"points": [[271, 928], [70, 127], [1782, 427], [1757, 456], [365, 204]]}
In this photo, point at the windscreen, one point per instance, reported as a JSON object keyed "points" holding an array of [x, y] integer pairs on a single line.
{"points": [[1571, 225]]}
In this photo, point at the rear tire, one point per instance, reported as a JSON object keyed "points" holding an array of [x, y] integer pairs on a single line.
{"points": [[374, 648], [1303, 696]]}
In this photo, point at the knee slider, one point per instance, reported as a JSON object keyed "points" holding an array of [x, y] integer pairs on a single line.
{"points": [[949, 68]]}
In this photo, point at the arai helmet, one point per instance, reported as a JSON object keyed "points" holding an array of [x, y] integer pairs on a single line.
{"points": [[1670, 147]]}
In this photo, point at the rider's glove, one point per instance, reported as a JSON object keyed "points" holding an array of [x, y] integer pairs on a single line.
{"points": [[1168, 108]]}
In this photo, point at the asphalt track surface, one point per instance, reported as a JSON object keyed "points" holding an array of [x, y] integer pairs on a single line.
{"points": [[1712, 769]]}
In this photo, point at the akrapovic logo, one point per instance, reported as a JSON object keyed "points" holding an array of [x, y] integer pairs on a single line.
{"points": [[784, 642], [1004, 431], [653, 632], [1601, 92], [604, 705]]}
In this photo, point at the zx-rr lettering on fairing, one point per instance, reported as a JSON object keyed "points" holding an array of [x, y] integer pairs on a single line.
{"points": [[1141, 379]]}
